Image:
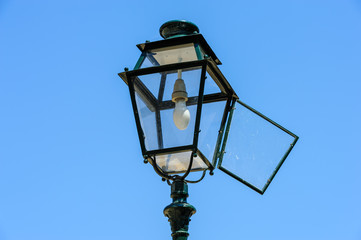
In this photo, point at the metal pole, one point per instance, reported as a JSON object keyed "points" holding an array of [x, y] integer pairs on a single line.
{"points": [[179, 212]]}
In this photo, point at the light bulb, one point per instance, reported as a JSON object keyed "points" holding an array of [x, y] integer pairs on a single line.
{"points": [[181, 114]]}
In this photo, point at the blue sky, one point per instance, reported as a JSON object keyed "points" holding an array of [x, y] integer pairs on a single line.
{"points": [[70, 161]]}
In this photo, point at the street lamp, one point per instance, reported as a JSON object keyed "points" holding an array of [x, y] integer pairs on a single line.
{"points": [[189, 119]]}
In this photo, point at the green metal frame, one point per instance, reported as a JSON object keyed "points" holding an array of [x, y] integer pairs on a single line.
{"points": [[207, 65], [216, 154], [145, 54], [130, 77], [261, 191], [227, 93], [151, 159], [199, 107], [194, 38], [140, 60], [198, 51]]}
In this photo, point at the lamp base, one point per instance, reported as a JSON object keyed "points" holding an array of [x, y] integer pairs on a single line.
{"points": [[179, 212]]}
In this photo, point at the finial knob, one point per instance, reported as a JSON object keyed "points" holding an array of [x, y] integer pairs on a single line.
{"points": [[178, 28]]}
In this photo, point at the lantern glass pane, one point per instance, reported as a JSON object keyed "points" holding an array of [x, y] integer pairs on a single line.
{"points": [[153, 97], [149, 82], [211, 119], [210, 86], [169, 55], [172, 136], [255, 148], [191, 78], [179, 162], [147, 117]]}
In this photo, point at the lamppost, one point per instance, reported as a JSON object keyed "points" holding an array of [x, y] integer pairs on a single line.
{"points": [[189, 119]]}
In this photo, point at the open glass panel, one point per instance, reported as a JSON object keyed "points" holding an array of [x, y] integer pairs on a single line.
{"points": [[254, 147], [174, 54], [154, 106]]}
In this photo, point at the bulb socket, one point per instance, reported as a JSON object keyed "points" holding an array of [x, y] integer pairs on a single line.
{"points": [[179, 91]]}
